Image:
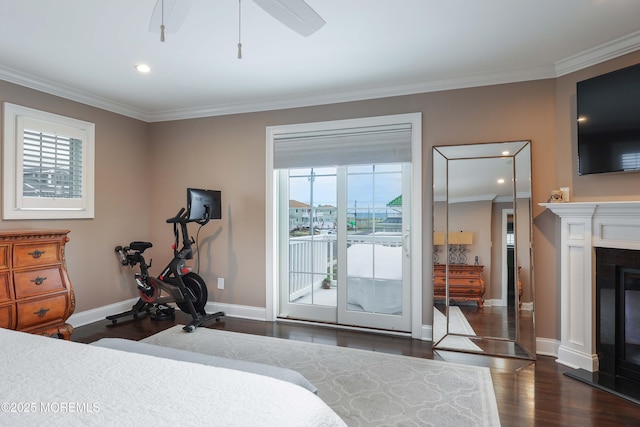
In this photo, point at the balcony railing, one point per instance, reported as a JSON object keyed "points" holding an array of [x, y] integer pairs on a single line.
{"points": [[313, 258]]}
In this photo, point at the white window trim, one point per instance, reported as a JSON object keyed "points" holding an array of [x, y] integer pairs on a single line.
{"points": [[416, 209], [15, 206]]}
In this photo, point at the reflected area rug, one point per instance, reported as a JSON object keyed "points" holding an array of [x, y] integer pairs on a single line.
{"points": [[365, 388], [458, 324]]}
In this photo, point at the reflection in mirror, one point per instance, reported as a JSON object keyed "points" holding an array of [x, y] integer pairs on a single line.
{"points": [[482, 249]]}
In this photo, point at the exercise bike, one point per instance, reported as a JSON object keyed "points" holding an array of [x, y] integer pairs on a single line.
{"points": [[183, 287]]}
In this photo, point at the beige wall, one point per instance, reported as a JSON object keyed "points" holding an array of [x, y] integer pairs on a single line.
{"points": [[229, 153], [474, 217], [143, 170], [122, 186]]}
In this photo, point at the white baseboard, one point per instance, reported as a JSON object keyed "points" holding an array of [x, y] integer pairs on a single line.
{"points": [[577, 359], [97, 314], [526, 306], [240, 311], [547, 347], [492, 303], [427, 333]]}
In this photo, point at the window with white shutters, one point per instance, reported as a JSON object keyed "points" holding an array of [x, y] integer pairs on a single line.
{"points": [[48, 165], [51, 165]]}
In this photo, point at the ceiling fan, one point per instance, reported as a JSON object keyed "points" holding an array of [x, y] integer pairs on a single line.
{"points": [[168, 15]]}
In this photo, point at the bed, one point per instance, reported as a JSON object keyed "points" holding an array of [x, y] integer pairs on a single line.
{"points": [[53, 382], [384, 293]]}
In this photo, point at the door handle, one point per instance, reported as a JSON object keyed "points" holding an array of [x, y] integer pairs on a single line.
{"points": [[405, 243]]}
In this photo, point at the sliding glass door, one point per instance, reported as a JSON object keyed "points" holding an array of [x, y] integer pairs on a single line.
{"points": [[345, 247], [340, 221]]}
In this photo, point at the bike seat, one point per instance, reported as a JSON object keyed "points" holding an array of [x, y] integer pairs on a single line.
{"points": [[140, 246]]}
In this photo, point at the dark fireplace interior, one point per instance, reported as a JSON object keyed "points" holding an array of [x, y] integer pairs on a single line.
{"points": [[617, 324]]}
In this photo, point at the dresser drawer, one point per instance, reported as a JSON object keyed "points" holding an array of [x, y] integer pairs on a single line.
{"points": [[37, 282], [467, 292], [42, 310], [464, 283], [34, 254], [462, 276], [4, 256], [7, 316], [6, 293]]}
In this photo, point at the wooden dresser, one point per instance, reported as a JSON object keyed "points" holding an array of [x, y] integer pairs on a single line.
{"points": [[35, 291], [465, 283]]}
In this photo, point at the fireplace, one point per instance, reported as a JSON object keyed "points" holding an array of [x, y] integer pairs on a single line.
{"points": [[617, 323], [600, 294]]}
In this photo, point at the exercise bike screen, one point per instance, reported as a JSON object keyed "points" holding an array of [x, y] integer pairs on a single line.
{"points": [[202, 202]]}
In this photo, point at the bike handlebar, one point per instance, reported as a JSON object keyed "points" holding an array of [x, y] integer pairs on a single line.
{"points": [[179, 218], [123, 254]]}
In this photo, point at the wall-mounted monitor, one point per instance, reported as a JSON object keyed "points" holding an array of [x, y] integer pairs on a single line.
{"points": [[203, 205], [609, 122]]}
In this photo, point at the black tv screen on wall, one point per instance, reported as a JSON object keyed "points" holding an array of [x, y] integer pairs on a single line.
{"points": [[609, 122]]}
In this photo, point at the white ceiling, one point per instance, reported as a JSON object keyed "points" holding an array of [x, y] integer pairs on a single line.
{"points": [[86, 50]]}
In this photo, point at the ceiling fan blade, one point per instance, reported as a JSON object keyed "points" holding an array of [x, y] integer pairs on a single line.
{"points": [[175, 11], [295, 14]]}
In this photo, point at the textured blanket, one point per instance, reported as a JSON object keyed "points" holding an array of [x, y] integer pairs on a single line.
{"points": [[51, 382]]}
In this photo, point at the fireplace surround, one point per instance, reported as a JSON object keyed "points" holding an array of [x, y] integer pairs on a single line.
{"points": [[587, 230]]}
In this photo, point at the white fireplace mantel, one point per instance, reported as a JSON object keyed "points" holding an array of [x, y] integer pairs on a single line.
{"points": [[584, 226]]}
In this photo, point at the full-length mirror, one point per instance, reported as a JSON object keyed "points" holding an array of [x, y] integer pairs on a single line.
{"points": [[482, 249]]}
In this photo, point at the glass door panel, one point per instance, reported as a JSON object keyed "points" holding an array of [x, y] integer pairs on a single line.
{"points": [[310, 291], [376, 266]]}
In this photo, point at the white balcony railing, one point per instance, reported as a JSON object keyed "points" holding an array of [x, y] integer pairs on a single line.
{"points": [[312, 258], [310, 261]]}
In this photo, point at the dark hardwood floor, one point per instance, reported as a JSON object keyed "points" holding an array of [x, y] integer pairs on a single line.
{"points": [[528, 394]]}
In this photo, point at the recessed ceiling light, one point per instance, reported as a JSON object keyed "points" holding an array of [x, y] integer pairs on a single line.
{"points": [[505, 153], [501, 181], [143, 68]]}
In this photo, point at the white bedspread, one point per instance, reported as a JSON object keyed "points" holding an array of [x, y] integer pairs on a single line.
{"points": [[382, 294], [45, 381]]}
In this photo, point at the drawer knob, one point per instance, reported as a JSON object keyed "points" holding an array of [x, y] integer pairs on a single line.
{"points": [[38, 280], [36, 254], [42, 311]]}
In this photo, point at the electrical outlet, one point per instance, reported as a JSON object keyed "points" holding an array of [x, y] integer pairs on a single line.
{"points": [[220, 283]]}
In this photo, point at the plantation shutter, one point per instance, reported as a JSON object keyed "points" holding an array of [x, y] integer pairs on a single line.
{"points": [[390, 143], [51, 166]]}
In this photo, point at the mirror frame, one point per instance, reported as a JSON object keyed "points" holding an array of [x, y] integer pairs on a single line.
{"points": [[521, 344]]}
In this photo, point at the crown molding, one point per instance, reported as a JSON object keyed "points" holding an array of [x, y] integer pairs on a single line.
{"points": [[411, 88], [587, 58], [37, 83], [604, 52]]}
